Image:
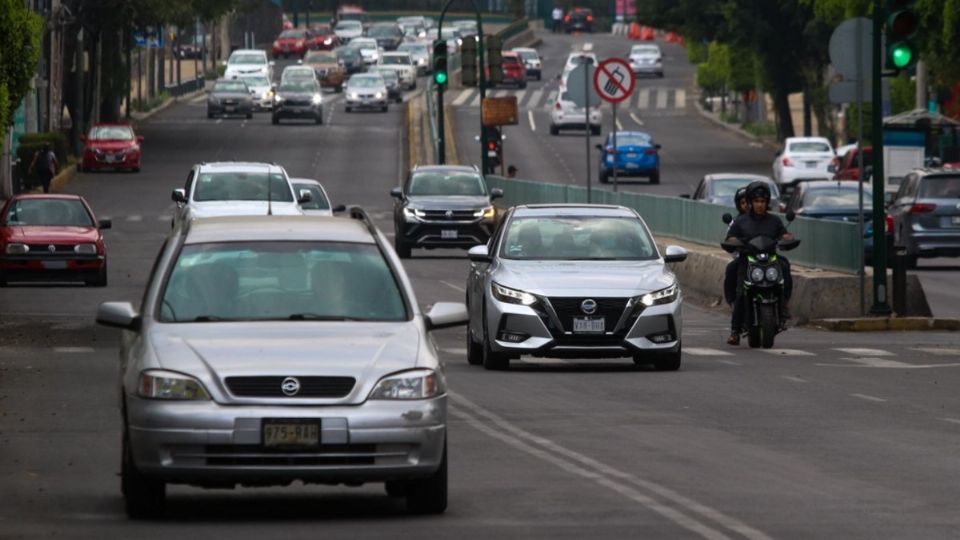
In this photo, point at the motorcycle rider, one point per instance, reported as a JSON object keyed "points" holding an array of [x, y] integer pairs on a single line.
{"points": [[730, 276], [759, 222]]}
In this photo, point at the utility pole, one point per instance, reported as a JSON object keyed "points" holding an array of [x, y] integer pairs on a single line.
{"points": [[880, 305]]}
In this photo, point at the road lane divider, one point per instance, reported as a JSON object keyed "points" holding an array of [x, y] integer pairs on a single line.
{"points": [[533, 125], [636, 119], [865, 397], [452, 286]]}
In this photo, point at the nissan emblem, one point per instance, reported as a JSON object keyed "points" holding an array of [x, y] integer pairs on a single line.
{"points": [[290, 386], [588, 306]]}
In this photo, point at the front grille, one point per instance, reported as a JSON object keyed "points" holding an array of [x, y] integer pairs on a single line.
{"points": [[454, 215], [321, 73], [610, 309], [44, 249], [230, 102], [253, 455], [310, 387], [297, 103]]}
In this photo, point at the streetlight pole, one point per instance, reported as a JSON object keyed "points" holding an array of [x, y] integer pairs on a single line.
{"points": [[880, 305]]}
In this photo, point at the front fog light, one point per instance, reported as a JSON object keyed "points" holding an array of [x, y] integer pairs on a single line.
{"points": [[512, 296], [85, 249], [415, 384], [159, 384], [17, 249]]}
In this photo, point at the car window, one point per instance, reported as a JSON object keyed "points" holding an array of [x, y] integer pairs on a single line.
{"points": [[247, 58], [318, 202], [633, 139], [577, 238], [940, 187], [384, 31], [438, 183], [110, 133], [365, 82], [281, 281], [809, 146], [288, 34], [510, 60], [349, 25], [299, 85], [835, 198], [256, 81], [241, 186], [49, 213], [397, 60], [230, 86], [528, 55]]}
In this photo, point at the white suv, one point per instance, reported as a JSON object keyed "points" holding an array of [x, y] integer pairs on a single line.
{"points": [[402, 63], [247, 62]]}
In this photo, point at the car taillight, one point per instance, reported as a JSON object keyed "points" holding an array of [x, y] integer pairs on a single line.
{"points": [[492, 145], [922, 208], [566, 19], [889, 219], [787, 162], [558, 106], [650, 151], [589, 18]]}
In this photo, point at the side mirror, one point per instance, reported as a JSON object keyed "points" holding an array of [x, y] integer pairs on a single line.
{"points": [[496, 193], [446, 315], [675, 254], [658, 146], [140, 138], [397, 193], [271, 63], [791, 215], [118, 315], [479, 254], [179, 196], [104, 224], [304, 196], [727, 218], [685, 196]]}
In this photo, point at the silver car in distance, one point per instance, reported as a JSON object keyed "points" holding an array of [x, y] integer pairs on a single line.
{"points": [[575, 281], [278, 348]]}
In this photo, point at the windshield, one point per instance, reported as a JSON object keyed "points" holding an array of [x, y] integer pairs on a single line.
{"points": [[241, 186], [644, 49], [727, 187], [248, 58], [836, 198], [388, 74], [110, 133], [438, 183], [577, 238], [809, 146], [384, 31], [413, 48], [349, 25], [348, 52], [251, 281], [320, 58], [293, 34], [352, 17], [299, 86], [298, 73], [256, 81], [940, 187], [398, 60], [363, 43], [365, 82], [318, 202], [230, 86], [528, 55], [48, 212]]}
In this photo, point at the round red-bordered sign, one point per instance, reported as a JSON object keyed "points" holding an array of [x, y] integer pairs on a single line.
{"points": [[614, 80]]}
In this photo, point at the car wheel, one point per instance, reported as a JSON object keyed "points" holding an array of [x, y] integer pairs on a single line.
{"points": [[101, 279], [136, 169], [668, 361], [3, 282], [383, 109], [274, 120], [249, 115], [399, 100], [209, 115], [655, 178], [554, 130], [319, 119], [143, 496], [349, 108], [403, 249], [538, 76], [660, 74], [492, 360], [80, 167], [474, 350], [522, 85], [429, 495]]}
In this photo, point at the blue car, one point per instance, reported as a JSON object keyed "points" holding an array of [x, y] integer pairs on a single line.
{"points": [[636, 155]]}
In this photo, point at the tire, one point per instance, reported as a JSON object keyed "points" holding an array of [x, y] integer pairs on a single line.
{"points": [[136, 169], [398, 100], [538, 76], [349, 108], [655, 178], [319, 119], [80, 166], [474, 350], [753, 337], [383, 109], [429, 495], [209, 115], [403, 249], [100, 280], [668, 361], [143, 496], [554, 130], [492, 360], [522, 85], [604, 177], [249, 115], [768, 326]]}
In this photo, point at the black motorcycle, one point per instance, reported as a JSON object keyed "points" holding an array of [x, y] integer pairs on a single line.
{"points": [[761, 288]]}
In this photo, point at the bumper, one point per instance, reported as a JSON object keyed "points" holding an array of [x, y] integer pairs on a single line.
{"points": [[647, 69], [208, 444], [375, 104], [331, 81], [791, 174], [934, 244], [223, 110], [442, 235], [533, 72], [93, 161], [312, 113], [59, 269], [541, 331], [579, 27], [575, 120], [631, 168], [263, 104]]}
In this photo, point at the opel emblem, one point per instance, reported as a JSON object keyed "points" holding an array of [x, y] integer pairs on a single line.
{"points": [[52, 248], [588, 306], [290, 386], [449, 214]]}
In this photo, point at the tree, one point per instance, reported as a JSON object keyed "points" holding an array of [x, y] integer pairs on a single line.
{"points": [[22, 31]]}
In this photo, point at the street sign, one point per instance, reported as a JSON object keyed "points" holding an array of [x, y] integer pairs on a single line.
{"points": [[499, 111], [613, 80], [851, 44], [577, 89], [150, 40], [841, 92]]}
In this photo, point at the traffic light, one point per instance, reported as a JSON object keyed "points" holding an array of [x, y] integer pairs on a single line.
{"points": [[468, 61], [440, 74], [494, 59], [902, 24]]}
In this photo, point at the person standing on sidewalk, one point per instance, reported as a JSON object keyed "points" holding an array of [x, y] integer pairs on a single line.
{"points": [[44, 165], [557, 18]]}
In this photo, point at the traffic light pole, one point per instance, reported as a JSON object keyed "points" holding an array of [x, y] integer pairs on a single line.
{"points": [[482, 80], [880, 305]]}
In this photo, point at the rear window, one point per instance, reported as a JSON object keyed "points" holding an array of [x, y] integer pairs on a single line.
{"points": [[835, 198], [293, 34], [242, 186], [809, 146], [940, 187], [110, 133], [511, 60]]}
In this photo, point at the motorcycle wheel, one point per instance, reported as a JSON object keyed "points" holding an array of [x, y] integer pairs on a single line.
{"points": [[768, 326]]}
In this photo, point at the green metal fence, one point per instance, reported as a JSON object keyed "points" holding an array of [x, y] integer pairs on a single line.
{"points": [[831, 245]]}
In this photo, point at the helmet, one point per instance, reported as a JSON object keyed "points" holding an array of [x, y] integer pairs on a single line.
{"points": [[758, 190], [740, 195]]}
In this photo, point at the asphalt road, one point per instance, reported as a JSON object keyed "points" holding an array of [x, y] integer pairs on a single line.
{"points": [[828, 436]]}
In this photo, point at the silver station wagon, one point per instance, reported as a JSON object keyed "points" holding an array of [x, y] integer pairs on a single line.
{"points": [[270, 349]]}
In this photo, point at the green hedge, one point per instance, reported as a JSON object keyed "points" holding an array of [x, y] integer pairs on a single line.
{"points": [[30, 143]]}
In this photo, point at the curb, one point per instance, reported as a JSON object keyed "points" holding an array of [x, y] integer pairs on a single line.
{"points": [[139, 117], [63, 178], [730, 127], [883, 324]]}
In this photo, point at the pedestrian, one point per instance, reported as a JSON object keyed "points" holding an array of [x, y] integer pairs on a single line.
{"points": [[557, 19], [44, 165], [511, 172]]}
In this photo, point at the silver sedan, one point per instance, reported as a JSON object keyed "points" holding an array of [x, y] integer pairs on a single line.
{"points": [[277, 348], [577, 281]]}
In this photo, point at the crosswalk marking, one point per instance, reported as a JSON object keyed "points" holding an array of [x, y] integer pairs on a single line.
{"points": [[681, 97], [535, 96], [520, 94], [869, 398], [164, 217], [704, 351], [464, 95], [661, 100], [788, 352], [135, 217], [856, 351], [476, 100], [794, 379], [643, 99]]}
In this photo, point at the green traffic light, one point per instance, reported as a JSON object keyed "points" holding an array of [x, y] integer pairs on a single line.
{"points": [[440, 77], [902, 56]]}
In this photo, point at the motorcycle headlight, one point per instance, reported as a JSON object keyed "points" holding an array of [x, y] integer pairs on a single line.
{"points": [[756, 274], [663, 296], [512, 296], [159, 384], [773, 274], [317, 99], [17, 249], [486, 213], [85, 249], [415, 384], [412, 214]]}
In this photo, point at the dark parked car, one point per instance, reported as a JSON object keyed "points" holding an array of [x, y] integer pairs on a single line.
{"points": [[389, 36], [443, 206], [720, 188], [926, 214], [578, 19], [230, 97], [298, 98]]}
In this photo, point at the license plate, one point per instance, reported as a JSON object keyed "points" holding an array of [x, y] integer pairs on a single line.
{"points": [[955, 220], [811, 164], [291, 433], [448, 235], [632, 166], [230, 108], [588, 326], [54, 265], [631, 155]]}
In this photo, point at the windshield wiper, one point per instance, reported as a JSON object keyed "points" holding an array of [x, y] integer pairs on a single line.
{"points": [[318, 317]]}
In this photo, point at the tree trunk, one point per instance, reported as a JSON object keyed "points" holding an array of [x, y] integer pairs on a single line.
{"points": [[781, 106]]}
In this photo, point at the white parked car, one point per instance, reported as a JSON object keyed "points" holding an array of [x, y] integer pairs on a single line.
{"points": [[247, 62], [369, 49], [347, 30], [803, 157], [565, 114], [646, 59], [402, 63]]}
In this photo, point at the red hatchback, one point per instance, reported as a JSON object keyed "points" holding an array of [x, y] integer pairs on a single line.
{"points": [[513, 69], [323, 37], [111, 147], [292, 42], [51, 238]]}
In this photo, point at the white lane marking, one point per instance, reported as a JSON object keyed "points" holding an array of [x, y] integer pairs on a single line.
{"points": [[878, 362], [705, 351], [794, 379], [500, 93], [452, 286], [219, 120], [107, 217], [628, 485], [73, 350], [535, 97], [476, 100], [661, 98], [533, 125], [135, 217], [729, 362], [643, 99], [199, 98], [619, 125], [458, 352], [788, 352], [680, 98], [864, 352], [164, 217], [464, 95], [869, 398], [520, 94], [940, 351], [636, 119], [951, 420]]}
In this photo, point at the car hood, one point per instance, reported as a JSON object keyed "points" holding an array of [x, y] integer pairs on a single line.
{"points": [[49, 234], [296, 95], [396, 67], [229, 95], [448, 202], [244, 69], [584, 278], [214, 351], [242, 208], [289, 40]]}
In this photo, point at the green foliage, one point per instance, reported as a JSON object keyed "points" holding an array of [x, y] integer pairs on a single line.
{"points": [[150, 104], [713, 74], [851, 122], [696, 52], [903, 92], [22, 32]]}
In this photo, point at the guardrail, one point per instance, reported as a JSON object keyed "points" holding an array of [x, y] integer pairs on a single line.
{"points": [[830, 245], [185, 87]]}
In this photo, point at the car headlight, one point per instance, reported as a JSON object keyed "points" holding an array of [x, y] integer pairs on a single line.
{"points": [[17, 249], [663, 296], [159, 384], [85, 249], [378, 95], [773, 274], [278, 99], [415, 384], [756, 274], [353, 96], [486, 213], [317, 99], [213, 101], [512, 296], [412, 214]]}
